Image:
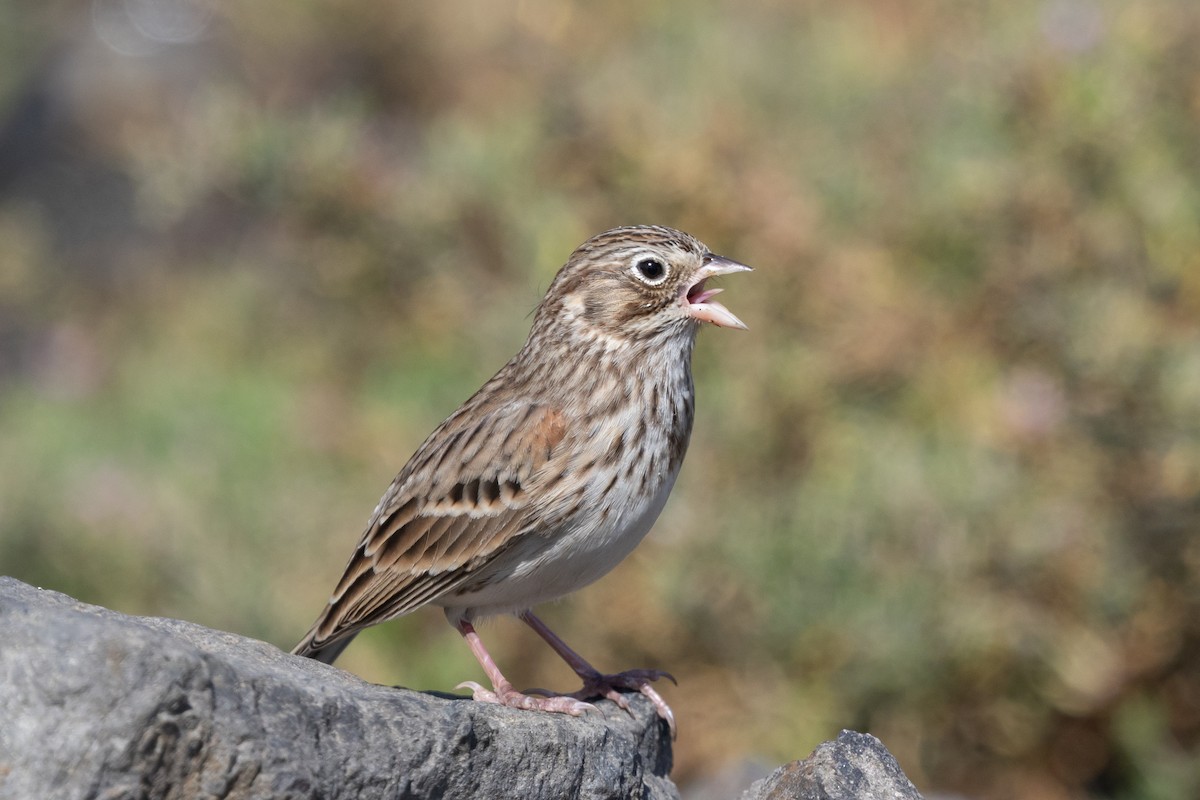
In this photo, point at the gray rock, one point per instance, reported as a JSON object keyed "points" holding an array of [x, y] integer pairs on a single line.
{"points": [[855, 767], [104, 706], [96, 704]]}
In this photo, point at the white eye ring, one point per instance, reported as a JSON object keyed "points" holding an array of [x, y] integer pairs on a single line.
{"points": [[651, 271]]}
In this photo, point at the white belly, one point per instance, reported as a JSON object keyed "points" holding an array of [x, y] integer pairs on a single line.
{"points": [[542, 567]]}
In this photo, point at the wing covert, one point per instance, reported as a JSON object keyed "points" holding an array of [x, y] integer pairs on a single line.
{"points": [[460, 499]]}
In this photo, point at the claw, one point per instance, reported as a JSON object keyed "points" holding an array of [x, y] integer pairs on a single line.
{"points": [[633, 676], [595, 683], [638, 680], [660, 706]]}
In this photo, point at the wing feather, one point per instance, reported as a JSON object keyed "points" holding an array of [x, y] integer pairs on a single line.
{"points": [[460, 500]]}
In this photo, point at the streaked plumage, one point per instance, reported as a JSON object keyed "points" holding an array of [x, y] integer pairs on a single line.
{"points": [[555, 469]]}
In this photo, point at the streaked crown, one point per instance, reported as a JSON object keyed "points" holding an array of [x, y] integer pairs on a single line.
{"points": [[636, 282]]}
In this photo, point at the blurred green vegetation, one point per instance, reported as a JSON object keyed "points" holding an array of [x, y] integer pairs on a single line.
{"points": [[946, 489]]}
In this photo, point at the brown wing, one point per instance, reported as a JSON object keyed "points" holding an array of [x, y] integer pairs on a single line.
{"points": [[460, 499]]}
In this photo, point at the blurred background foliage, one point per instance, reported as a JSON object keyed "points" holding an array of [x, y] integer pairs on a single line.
{"points": [[946, 489]]}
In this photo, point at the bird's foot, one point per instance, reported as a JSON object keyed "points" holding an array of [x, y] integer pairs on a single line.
{"points": [[507, 696], [597, 684]]}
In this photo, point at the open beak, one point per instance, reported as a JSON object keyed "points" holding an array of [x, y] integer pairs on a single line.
{"points": [[698, 300]]}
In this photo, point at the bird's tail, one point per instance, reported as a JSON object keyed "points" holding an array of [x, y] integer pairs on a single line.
{"points": [[324, 651]]}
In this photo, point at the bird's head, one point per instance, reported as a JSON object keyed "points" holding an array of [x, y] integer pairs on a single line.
{"points": [[638, 283]]}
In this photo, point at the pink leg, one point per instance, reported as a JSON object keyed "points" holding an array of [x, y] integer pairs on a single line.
{"points": [[596, 683], [503, 692]]}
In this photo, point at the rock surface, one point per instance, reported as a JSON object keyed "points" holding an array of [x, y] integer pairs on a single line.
{"points": [[855, 767], [96, 704]]}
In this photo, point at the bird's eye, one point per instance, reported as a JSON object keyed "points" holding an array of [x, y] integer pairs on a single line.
{"points": [[650, 270]]}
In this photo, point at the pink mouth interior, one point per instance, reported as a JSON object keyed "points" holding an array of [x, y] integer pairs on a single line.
{"points": [[698, 294]]}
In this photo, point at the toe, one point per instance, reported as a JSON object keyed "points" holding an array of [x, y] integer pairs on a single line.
{"points": [[660, 706], [612, 694], [554, 703], [566, 705], [478, 693], [640, 676]]}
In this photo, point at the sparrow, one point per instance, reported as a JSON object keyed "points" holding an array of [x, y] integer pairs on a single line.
{"points": [[550, 474]]}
